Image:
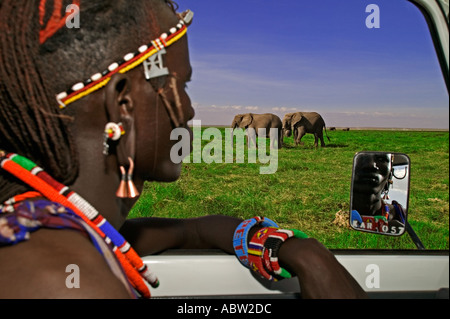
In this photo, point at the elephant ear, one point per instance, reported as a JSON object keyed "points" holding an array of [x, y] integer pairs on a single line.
{"points": [[236, 121], [247, 120], [288, 118], [296, 118]]}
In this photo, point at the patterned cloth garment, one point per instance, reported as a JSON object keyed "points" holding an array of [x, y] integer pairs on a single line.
{"points": [[29, 216]]}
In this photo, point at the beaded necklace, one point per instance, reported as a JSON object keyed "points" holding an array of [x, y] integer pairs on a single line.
{"points": [[9, 205], [137, 272]]}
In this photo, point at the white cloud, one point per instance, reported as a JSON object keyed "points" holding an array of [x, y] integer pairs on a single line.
{"points": [[286, 109]]}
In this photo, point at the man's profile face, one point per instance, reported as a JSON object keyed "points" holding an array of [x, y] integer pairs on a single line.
{"points": [[153, 122]]}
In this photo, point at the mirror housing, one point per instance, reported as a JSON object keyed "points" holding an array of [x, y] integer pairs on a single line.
{"points": [[380, 193]]}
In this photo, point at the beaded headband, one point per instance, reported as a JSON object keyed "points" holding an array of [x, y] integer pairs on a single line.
{"points": [[145, 54]]}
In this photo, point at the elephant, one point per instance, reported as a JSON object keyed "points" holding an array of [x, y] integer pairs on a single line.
{"points": [[300, 123], [266, 121]]}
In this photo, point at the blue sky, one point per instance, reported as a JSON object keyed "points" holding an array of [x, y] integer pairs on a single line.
{"points": [[281, 56]]}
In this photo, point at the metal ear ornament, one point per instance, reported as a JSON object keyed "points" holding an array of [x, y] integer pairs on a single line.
{"points": [[122, 190], [113, 132], [127, 189], [154, 65]]}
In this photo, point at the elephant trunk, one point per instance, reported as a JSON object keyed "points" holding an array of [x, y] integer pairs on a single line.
{"points": [[285, 130]]}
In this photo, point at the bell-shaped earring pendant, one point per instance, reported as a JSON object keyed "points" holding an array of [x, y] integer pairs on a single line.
{"points": [[131, 188], [122, 190]]}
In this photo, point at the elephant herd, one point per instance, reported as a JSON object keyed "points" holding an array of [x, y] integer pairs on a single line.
{"points": [[297, 124]]}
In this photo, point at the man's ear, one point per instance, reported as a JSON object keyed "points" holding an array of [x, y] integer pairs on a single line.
{"points": [[120, 109]]}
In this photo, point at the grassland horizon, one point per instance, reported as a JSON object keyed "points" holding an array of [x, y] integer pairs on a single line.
{"points": [[357, 128], [310, 190]]}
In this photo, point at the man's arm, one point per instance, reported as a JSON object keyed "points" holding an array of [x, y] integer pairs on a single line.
{"points": [[319, 273], [153, 235]]}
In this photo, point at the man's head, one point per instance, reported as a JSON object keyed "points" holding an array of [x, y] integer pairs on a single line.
{"points": [[32, 72], [372, 173]]}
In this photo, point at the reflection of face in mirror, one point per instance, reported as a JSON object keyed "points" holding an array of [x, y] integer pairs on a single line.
{"points": [[374, 207]]}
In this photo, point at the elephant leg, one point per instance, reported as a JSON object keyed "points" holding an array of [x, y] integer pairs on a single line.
{"points": [[295, 135], [272, 142], [322, 142], [276, 139], [316, 140], [280, 139], [251, 138], [300, 133]]}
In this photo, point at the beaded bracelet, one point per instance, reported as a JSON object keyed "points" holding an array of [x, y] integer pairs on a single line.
{"points": [[263, 251], [273, 244], [241, 234], [257, 254]]}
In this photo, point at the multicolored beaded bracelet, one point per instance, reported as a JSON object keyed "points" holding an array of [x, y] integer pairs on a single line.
{"points": [[272, 246], [241, 234], [128, 62], [256, 251], [263, 251]]}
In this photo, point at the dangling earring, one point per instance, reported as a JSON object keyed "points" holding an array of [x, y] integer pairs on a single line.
{"points": [[386, 188], [122, 190], [131, 188], [127, 189], [113, 132]]}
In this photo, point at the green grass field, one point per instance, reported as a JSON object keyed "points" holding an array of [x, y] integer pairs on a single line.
{"points": [[310, 190]]}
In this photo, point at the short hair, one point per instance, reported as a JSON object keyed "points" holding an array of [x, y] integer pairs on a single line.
{"points": [[31, 73]]}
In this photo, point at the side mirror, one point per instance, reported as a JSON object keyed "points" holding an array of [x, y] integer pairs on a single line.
{"points": [[380, 193]]}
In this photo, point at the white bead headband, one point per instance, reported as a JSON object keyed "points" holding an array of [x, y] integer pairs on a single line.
{"points": [[146, 54]]}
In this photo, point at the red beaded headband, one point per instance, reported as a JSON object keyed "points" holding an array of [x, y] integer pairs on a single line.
{"points": [[131, 60]]}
